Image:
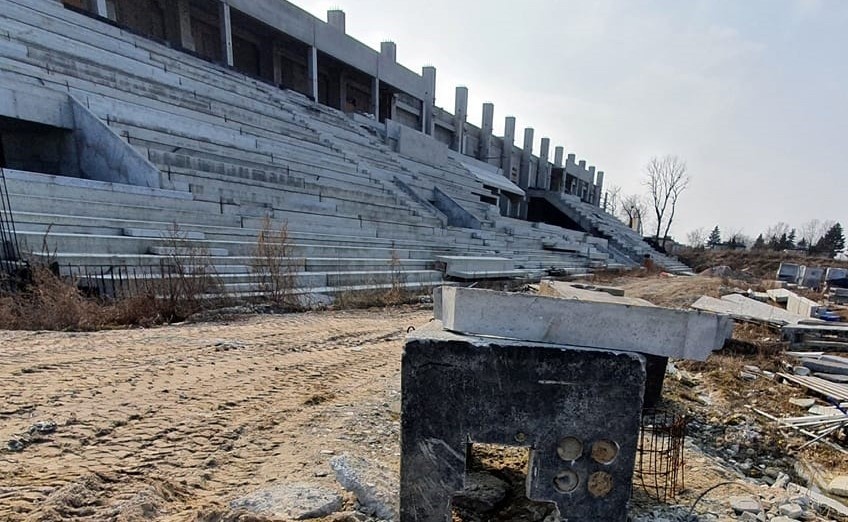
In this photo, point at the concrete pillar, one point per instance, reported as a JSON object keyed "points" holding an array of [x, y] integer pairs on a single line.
{"points": [[543, 177], [484, 151], [599, 185], [428, 121], [313, 72], [226, 24], [526, 153], [184, 15], [508, 144], [460, 115], [336, 18], [558, 156], [375, 98], [591, 188], [389, 50], [100, 9]]}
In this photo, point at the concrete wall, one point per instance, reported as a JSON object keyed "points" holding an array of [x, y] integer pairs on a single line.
{"points": [[104, 156]]}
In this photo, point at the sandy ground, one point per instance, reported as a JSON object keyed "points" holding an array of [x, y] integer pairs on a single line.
{"points": [[182, 419], [172, 423]]}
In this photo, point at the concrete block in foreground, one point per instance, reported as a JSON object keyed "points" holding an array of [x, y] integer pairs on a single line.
{"points": [[651, 330], [577, 410]]}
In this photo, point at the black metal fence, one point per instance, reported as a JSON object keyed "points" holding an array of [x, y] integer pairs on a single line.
{"points": [[163, 280], [10, 252]]}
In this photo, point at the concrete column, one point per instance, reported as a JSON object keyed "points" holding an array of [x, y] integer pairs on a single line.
{"points": [[591, 185], [336, 18], [313, 72], [599, 185], [375, 98], [184, 15], [100, 9], [460, 115], [226, 24], [558, 156], [486, 129], [543, 177], [508, 144], [389, 50], [526, 152], [429, 123]]}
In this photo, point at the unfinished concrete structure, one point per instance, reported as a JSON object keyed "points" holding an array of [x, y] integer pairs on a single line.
{"points": [[564, 377], [214, 115], [556, 400]]}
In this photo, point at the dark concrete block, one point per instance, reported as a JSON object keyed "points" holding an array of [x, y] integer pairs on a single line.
{"points": [[577, 409]]}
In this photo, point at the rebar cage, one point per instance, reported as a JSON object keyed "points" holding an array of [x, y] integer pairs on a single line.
{"points": [[659, 457]]}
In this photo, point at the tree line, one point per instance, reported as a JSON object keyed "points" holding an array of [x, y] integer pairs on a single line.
{"points": [[815, 237]]}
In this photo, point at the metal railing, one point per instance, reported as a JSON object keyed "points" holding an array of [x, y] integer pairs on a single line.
{"points": [[10, 252]]}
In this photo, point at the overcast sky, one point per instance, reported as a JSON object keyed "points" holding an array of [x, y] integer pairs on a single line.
{"points": [[752, 94]]}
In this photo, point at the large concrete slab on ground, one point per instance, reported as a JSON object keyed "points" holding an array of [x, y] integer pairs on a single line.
{"points": [[577, 410], [581, 293], [741, 307], [652, 330]]}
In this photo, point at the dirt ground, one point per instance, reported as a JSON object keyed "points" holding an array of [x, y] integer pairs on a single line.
{"points": [[172, 423], [181, 419]]}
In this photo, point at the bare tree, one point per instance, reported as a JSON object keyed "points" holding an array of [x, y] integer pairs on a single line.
{"points": [[666, 178], [776, 231], [634, 211], [612, 199], [697, 238], [813, 230]]}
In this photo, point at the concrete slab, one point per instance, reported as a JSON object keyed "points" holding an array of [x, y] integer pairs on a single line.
{"points": [[779, 295], [740, 307], [577, 410], [651, 330], [582, 292], [798, 305]]}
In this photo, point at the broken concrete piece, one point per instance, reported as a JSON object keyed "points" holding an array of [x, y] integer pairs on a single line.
{"points": [[779, 295], [798, 305], [577, 409], [646, 329], [839, 486], [802, 403], [295, 501], [740, 307], [580, 292], [745, 504]]}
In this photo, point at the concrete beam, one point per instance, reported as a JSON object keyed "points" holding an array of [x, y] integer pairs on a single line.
{"points": [[375, 98], [651, 330], [460, 115], [226, 26], [389, 51], [486, 130]]}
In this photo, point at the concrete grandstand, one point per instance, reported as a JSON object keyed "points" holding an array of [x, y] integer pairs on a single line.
{"points": [[120, 119]]}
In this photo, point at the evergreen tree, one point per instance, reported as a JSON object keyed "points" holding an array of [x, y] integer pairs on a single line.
{"points": [[715, 238], [759, 244], [831, 243], [782, 242], [802, 245], [790, 240]]}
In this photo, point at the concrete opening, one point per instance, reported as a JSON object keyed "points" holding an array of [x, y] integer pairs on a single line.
{"points": [[496, 484], [542, 211], [35, 147]]}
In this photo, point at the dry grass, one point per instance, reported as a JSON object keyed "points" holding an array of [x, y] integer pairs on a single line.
{"points": [[377, 294], [274, 268], [758, 263]]}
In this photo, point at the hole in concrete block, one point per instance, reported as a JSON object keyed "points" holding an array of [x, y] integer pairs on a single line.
{"points": [[504, 498], [566, 481], [570, 449], [605, 451], [600, 484]]}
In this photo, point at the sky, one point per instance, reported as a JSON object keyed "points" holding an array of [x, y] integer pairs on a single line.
{"points": [[752, 94]]}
